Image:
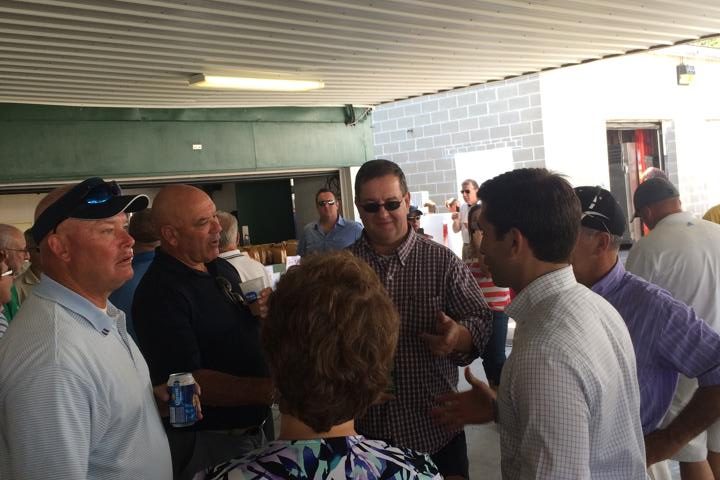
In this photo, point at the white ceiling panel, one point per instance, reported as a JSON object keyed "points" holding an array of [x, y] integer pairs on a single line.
{"points": [[141, 53]]}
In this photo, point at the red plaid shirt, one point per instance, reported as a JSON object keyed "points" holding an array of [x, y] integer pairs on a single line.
{"points": [[423, 278]]}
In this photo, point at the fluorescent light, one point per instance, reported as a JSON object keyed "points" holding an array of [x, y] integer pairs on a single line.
{"points": [[247, 83]]}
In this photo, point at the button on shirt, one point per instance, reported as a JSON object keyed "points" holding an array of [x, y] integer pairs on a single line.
{"points": [[423, 278], [75, 395], [343, 234], [569, 404], [667, 336]]}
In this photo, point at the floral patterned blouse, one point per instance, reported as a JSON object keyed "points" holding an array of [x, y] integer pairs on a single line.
{"points": [[338, 458]]}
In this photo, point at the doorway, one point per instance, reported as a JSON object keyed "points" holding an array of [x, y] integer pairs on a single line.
{"points": [[635, 151]]}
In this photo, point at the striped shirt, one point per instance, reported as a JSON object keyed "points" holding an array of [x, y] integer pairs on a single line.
{"points": [[423, 278], [668, 339], [3, 323], [75, 395], [496, 297], [569, 403]]}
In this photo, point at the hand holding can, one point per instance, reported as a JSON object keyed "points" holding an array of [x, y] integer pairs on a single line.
{"points": [[184, 404]]}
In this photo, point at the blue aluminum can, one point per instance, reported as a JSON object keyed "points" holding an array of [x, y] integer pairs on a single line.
{"points": [[182, 391]]}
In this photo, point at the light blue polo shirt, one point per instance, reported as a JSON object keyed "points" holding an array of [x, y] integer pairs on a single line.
{"points": [[76, 400]]}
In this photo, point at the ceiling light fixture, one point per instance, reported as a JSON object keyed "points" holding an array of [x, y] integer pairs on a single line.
{"points": [[247, 83], [685, 74]]}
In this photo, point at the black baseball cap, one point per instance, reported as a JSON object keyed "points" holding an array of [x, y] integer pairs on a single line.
{"points": [[651, 191], [600, 210], [414, 212], [91, 199]]}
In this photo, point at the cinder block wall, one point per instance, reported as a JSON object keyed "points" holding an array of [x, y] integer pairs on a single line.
{"points": [[423, 134]]}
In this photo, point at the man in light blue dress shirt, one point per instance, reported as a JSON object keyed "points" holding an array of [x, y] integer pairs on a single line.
{"points": [[331, 231]]}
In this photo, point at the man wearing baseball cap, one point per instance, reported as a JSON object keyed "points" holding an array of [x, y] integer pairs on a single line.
{"points": [[75, 394], [681, 255], [668, 338]]}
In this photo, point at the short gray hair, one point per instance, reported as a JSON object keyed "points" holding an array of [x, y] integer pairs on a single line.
{"points": [[8, 234], [229, 225]]}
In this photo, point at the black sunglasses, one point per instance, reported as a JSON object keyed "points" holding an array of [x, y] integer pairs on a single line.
{"points": [[102, 193], [374, 207], [466, 192], [224, 285], [322, 203]]}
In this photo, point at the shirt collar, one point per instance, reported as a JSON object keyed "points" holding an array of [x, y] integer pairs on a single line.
{"points": [[29, 277], [402, 251], [51, 290], [231, 253], [524, 304], [610, 281]]}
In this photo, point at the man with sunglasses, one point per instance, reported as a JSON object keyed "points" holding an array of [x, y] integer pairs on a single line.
{"points": [[76, 399], [444, 320], [681, 255], [331, 231], [190, 317], [468, 190], [14, 248], [668, 338]]}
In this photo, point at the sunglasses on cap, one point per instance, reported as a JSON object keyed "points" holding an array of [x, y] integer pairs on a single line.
{"points": [[374, 207], [322, 203], [91, 199]]}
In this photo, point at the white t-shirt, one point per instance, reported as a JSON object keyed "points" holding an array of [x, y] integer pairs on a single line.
{"points": [[464, 210], [247, 267], [682, 255]]}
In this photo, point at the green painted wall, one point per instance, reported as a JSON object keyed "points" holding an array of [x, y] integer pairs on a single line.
{"points": [[44, 143]]}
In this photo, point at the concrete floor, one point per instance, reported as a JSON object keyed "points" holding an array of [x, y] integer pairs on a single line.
{"points": [[484, 440]]}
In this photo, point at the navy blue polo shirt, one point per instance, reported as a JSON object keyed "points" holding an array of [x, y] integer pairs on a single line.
{"points": [[185, 321]]}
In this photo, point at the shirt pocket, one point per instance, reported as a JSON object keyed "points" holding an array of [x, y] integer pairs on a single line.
{"points": [[420, 314]]}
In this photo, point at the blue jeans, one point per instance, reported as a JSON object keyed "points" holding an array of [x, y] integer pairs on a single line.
{"points": [[494, 355]]}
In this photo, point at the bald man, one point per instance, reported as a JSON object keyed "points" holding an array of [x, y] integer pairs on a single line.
{"points": [[189, 317], [75, 395], [681, 255]]}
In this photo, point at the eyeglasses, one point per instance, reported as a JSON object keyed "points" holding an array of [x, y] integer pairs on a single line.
{"points": [[374, 207], [6, 273], [322, 203], [466, 192], [23, 250], [224, 285]]}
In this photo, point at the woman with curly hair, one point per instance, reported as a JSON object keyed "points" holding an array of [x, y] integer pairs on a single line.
{"points": [[329, 340]]}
